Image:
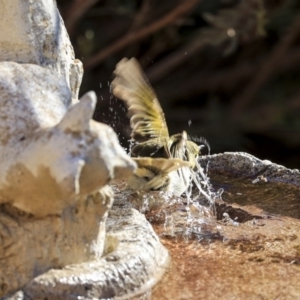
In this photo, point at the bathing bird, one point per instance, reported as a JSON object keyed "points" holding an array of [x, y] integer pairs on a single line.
{"points": [[165, 162]]}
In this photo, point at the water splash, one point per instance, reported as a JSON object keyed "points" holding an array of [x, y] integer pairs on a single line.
{"points": [[169, 228], [227, 219], [192, 215]]}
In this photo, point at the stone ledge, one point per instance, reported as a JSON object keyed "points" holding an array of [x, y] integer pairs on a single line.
{"points": [[242, 163], [135, 260]]}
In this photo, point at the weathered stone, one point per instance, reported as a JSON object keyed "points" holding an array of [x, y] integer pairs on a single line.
{"points": [[51, 159], [55, 161], [252, 252], [33, 32], [31, 246], [50, 155], [134, 261]]}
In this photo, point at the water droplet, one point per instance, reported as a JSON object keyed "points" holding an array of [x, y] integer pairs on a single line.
{"points": [[89, 34]]}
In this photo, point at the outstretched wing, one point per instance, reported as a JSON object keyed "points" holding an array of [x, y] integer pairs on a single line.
{"points": [[158, 166], [147, 117]]}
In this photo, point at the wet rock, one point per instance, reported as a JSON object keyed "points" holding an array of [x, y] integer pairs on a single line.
{"points": [[31, 246], [251, 249]]}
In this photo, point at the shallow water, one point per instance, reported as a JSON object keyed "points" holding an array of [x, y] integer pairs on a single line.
{"points": [[246, 247], [273, 198], [250, 249]]}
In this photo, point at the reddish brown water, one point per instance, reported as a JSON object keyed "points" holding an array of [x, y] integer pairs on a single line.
{"points": [[261, 264], [255, 259]]}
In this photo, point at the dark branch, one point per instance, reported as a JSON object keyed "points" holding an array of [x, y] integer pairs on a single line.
{"points": [[132, 37]]}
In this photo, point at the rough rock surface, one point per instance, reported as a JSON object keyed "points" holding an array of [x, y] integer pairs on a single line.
{"points": [[31, 246], [134, 261], [251, 166], [50, 154], [33, 32], [55, 161], [238, 257]]}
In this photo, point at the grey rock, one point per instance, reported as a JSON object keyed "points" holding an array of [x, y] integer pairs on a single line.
{"points": [[55, 161], [33, 32], [31, 246], [248, 165], [134, 261]]}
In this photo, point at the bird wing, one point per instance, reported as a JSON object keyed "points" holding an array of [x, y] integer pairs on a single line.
{"points": [[160, 166], [158, 172], [147, 117]]}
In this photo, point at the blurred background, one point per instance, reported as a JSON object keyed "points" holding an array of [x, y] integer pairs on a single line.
{"points": [[227, 70]]}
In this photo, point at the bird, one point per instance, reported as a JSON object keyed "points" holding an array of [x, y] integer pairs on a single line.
{"points": [[164, 162], [154, 174]]}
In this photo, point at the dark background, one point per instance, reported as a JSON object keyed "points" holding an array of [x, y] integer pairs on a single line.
{"points": [[227, 70]]}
